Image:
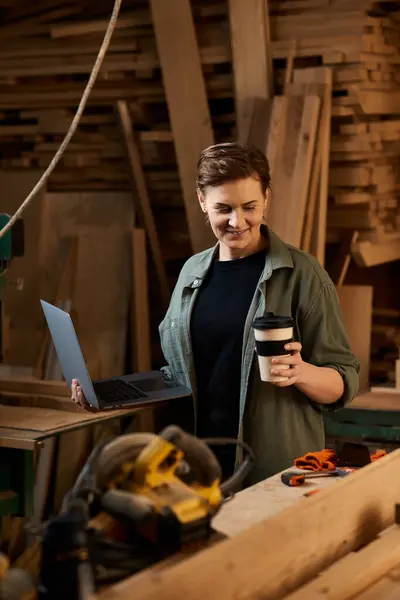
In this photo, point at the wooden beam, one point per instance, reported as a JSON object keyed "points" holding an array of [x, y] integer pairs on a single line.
{"points": [[252, 59], [187, 103], [318, 81], [146, 212], [293, 173], [140, 319], [355, 572], [137, 19], [303, 168], [275, 557], [356, 304], [397, 374], [367, 254], [386, 588], [141, 345]]}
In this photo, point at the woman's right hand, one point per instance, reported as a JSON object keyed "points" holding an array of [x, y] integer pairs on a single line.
{"points": [[78, 396]]}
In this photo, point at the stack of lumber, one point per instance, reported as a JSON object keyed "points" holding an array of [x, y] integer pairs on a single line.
{"points": [[296, 141], [42, 75], [329, 120], [360, 41]]}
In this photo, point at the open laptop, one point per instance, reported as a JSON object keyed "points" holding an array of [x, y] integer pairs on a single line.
{"points": [[138, 389]]}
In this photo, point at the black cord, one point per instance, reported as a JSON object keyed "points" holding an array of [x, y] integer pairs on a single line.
{"points": [[234, 483]]}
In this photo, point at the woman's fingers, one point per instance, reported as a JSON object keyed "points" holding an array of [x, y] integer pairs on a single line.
{"points": [[74, 385], [293, 359], [293, 372], [293, 346], [78, 396]]}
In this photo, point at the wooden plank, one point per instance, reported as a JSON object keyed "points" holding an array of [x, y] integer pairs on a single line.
{"points": [[66, 214], [377, 399], [279, 107], [360, 175], [367, 254], [187, 104], [355, 572], [302, 170], [318, 81], [42, 480], [313, 200], [140, 319], [47, 364], [347, 258], [137, 19], [360, 217], [139, 184], [388, 588], [295, 545], [292, 181], [261, 119], [103, 272], [356, 304], [252, 61], [285, 162], [102, 224], [262, 500], [318, 241], [379, 102], [140, 303]]}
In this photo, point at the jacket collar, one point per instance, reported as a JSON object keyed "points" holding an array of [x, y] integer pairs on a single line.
{"points": [[277, 256]]}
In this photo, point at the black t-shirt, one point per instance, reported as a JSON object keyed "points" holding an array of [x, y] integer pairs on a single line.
{"points": [[217, 327]]}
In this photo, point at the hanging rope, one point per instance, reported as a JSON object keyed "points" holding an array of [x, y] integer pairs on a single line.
{"points": [[75, 121]]}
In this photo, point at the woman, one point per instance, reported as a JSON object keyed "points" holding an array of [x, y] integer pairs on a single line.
{"points": [[206, 335]]}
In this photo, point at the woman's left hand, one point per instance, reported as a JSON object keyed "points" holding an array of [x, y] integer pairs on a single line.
{"points": [[294, 361]]}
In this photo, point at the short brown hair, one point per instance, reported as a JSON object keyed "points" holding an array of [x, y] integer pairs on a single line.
{"points": [[226, 162]]}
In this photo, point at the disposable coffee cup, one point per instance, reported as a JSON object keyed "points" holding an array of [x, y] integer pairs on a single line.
{"points": [[272, 333]]}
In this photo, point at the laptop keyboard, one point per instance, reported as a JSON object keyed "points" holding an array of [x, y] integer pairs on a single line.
{"points": [[117, 391]]}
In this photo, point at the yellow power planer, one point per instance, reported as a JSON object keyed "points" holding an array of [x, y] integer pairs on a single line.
{"points": [[140, 498]]}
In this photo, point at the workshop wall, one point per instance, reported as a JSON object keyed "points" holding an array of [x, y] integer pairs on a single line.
{"points": [[116, 175]]}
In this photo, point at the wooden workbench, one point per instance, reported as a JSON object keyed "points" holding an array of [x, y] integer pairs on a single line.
{"points": [[248, 507], [377, 399], [263, 500], [340, 543], [28, 436], [24, 427], [269, 497]]}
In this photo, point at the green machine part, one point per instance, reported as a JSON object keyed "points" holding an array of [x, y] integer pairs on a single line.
{"points": [[5, 244], [5, 257], [16, 466], [11, 246]]}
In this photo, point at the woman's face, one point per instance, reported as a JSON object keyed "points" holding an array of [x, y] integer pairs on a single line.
{"points": [[235, 211]]}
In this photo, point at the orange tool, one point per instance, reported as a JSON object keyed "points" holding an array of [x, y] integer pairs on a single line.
{"points": [[311, 492], [294, 479]]}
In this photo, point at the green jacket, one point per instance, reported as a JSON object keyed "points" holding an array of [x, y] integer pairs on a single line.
{"points": [[280, 424]]}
